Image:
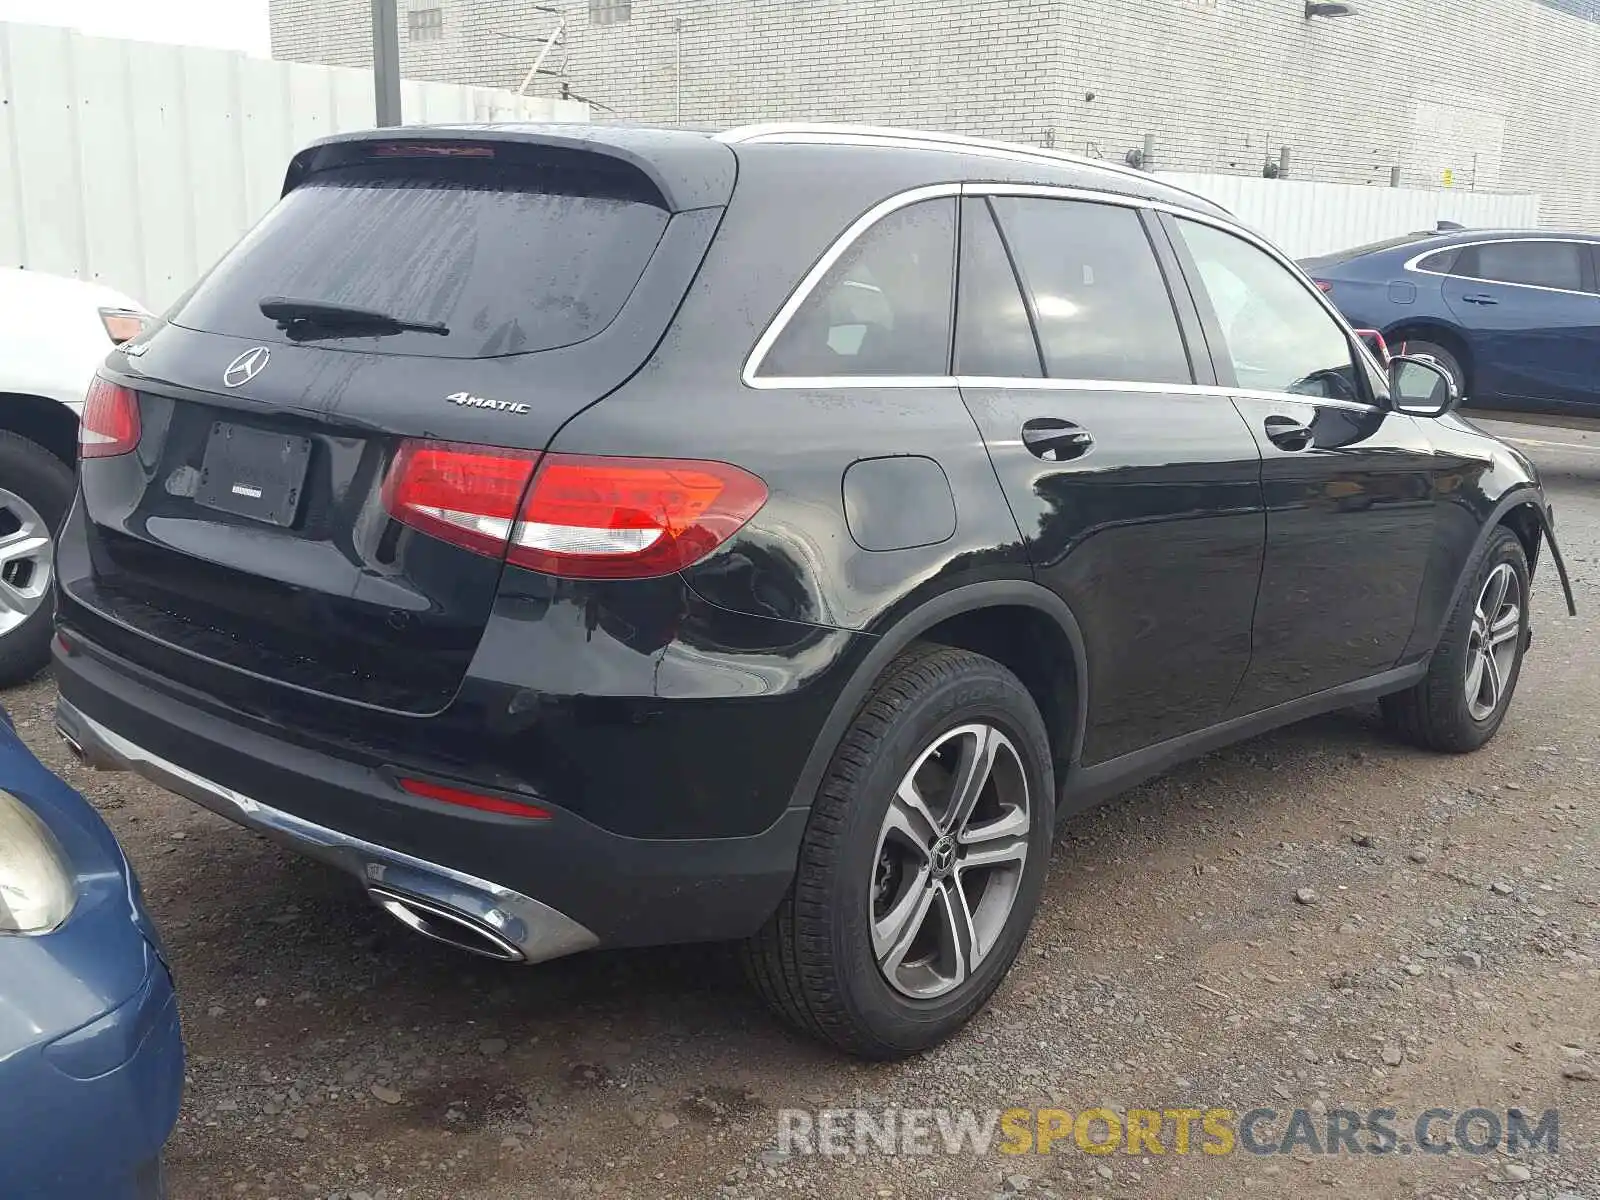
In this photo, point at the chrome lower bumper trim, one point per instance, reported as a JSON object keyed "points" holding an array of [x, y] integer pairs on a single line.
{"points": [[538, 931]]}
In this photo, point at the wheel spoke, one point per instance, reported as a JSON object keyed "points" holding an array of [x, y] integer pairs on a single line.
{"points": [[1506, 626], [12, 601], [995, 852], [1475, 677], [1494, 594], [972, 772], [1011, 824], [909, 816], [955, 932], [1493, 682], [24, 543], [894, 933]]}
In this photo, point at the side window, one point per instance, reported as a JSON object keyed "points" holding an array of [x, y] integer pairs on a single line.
{"points": [[884, 308], [1099, 299], [1541, 264], [1278, 335], [993, 334], [1441, 262]]}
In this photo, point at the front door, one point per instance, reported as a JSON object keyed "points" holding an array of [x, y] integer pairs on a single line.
{"points": [[1348, 483], [1535, 319], [1136, 490]]}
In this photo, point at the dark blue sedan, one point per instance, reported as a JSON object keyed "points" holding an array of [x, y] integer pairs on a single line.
{"points": [[91, 1061], [1514, 316]]}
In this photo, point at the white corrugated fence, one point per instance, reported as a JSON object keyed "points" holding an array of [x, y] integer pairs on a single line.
{"points": [[137, 165], [1306, 218]]}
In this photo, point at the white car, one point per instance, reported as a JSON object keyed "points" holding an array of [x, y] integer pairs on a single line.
{"points": [[54, 333]]}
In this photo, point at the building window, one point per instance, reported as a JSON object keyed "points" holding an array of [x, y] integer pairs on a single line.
{"points": [[425, 24], [609, 12]]}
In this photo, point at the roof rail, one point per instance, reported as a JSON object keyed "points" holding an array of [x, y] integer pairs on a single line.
{"points": [[822, 133]]}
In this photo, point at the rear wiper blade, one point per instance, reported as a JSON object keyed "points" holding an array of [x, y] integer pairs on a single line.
{"points": [[297, 315]]}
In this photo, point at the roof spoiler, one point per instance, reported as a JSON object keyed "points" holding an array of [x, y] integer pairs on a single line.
{"points": [[687, 170]]}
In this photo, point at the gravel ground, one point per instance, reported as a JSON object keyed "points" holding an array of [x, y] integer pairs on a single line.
{"points": [[1447, 957]]}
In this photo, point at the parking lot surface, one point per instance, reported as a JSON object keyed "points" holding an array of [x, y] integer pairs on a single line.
{"points": [[1443, 952]]}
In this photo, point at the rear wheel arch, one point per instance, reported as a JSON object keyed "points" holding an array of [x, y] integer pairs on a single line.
{"points": [[1518, 511], [1523, 520], [44, 422], [977, 617]]}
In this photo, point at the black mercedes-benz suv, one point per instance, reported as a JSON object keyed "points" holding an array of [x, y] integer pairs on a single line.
{"points": [[599, 537]]}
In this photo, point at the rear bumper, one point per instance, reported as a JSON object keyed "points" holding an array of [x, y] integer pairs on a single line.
{"points": [[523, 928], [529, 890]]}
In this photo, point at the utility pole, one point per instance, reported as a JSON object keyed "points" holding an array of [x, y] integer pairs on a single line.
{"points": [[386, 60]]}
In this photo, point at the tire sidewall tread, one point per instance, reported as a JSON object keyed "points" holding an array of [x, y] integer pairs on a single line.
{"points": [[48, 484]]}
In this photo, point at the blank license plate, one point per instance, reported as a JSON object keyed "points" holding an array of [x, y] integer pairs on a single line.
{"points": [[253, 473]]}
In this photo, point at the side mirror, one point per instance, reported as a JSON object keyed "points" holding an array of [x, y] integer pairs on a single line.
{"points": [[1421, 387]]}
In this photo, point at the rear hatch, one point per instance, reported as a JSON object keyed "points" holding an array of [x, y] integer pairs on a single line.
{"points": [[519, 279]]}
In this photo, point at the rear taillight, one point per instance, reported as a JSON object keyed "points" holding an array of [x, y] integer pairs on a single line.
{"points": [[582, 517], [467, 495], [630, 518], [122, 324], [1323, 286], [110, 424]]}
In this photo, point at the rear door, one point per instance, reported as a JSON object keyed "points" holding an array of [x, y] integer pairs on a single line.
{"points": [[1137, 489], [252, 526], [1348, 484], [1532, 307]]}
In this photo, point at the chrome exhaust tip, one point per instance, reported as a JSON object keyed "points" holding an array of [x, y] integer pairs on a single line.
{"points": [[445, 925]]}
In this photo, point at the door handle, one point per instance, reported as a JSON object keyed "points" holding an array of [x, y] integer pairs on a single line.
{"points": [[1055, 440], [1479, 299], [1288, 434]]}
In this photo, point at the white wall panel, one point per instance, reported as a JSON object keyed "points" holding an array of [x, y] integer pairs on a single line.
{"points": [[138, 165], [1307, 218]]}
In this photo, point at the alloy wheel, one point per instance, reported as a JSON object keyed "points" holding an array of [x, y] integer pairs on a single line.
{"points": [[24, 560], [1492, 644], [949, 861]]}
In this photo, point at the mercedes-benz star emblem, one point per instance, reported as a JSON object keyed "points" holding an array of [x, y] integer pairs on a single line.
{"points": [[247, 366]]}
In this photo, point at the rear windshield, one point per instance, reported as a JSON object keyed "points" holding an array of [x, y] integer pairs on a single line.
{"points": [[510, 259]]}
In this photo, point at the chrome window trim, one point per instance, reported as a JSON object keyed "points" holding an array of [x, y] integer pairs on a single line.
{"points": [[1411, 264], [813, 277], [1036, 384], [1141, 387], [891, 204]]}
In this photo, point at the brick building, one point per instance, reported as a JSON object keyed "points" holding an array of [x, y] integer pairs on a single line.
{"points": [[1496, 95]]}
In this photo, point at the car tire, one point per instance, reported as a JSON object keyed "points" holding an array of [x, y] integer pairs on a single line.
{"points": [[843, 958], [36, 490], [1445, 357], [1459, 706]]}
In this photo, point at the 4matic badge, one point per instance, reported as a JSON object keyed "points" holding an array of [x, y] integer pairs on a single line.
{"points": [[467, 400]]}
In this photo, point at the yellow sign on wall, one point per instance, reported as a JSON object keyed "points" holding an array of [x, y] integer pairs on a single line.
{"points": [[1449, 177]]}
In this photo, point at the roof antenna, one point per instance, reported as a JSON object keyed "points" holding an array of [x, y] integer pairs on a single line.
{"points": [[557, 37]]}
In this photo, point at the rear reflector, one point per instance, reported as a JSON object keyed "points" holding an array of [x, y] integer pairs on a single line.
{"points": [[630, 518], [467, 495], [110, 424], [466, 799], [583, 517]]}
